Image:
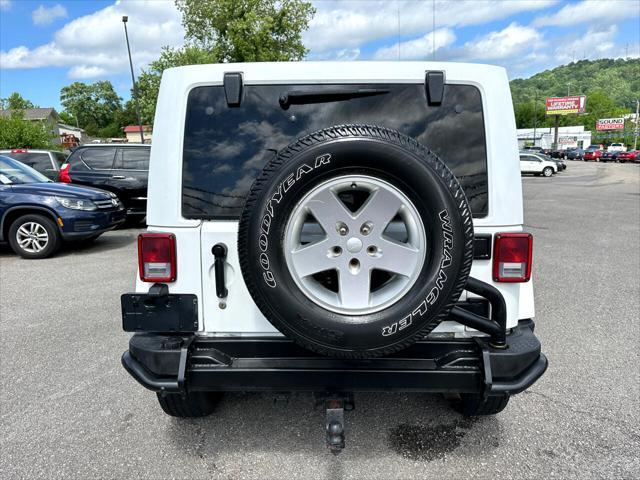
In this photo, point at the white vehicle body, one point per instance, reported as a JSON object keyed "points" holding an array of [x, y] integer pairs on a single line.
{"points": [[533, 163], [617, 147], [195, 238]]}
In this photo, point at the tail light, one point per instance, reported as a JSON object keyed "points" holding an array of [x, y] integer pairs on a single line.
{"points": [[157, 257], [512, 257], [19, 150], [64, 176]]}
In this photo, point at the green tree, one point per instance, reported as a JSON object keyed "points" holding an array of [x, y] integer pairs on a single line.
{"points": [[611, 87], [15, 102], [16, 132], [68, 118], [247, 30], [127, 115], [149, 81], [219, 31], [95, 105]]}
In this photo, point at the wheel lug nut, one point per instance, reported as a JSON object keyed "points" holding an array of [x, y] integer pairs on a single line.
{"points": [[366, 228], [372, 250], [354, 266], [342, 228], [336, 251]]}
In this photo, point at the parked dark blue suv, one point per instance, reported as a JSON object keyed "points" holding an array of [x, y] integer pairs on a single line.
{"points": [[37, 215]]}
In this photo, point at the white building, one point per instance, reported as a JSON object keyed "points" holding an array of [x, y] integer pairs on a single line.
{"points": [[568, 137], [132, 132], [79, 133]]}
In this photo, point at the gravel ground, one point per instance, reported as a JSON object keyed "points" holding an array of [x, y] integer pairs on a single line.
{"points": [[68, 409]]}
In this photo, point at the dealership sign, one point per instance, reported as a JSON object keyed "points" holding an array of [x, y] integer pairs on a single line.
{"points": [[566, 105], [610, 124]]}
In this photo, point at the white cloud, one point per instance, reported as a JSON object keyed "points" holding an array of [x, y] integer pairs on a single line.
{"points": [[595, 43], [94, 45], [419, 48], [45, 16], [347, 54], [349, 24], [601, 12], [504, 44], [5, 4], [84, 71]]}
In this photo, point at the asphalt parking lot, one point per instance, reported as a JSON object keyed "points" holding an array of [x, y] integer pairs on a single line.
{"points": [[69, 410]]}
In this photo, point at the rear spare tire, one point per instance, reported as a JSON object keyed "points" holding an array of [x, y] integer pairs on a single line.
{"points": [[355, 241]]}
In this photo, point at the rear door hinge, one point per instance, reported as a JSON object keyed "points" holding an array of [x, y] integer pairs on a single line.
{"points": [[434, 85], [233, 88]]}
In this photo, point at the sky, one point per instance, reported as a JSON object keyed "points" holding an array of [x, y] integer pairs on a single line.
{"points": [[46, 45]]}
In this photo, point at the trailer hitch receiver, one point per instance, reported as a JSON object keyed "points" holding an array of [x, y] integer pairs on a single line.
{"points": [[335, 405]]}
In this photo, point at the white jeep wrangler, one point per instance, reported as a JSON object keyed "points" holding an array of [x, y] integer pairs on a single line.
{"points": [[334, 227]]}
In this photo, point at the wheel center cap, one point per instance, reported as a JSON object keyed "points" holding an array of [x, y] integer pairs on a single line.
{"points": [[354, 245]]}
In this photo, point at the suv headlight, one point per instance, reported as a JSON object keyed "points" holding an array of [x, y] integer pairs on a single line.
{"points": [[76, 203]]}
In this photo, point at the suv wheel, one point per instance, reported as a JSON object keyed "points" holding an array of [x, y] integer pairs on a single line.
{"points": [[473, 404], [34, 236], [356, 241], [192, 404], [547, 172]]}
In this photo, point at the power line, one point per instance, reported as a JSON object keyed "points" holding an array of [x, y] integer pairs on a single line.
{"points": [[433, 30]]}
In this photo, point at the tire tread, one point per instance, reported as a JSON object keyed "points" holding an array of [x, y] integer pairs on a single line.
{"points": [[472, 405], [192, 405]]}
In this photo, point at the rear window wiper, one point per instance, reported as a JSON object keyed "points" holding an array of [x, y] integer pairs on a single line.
{"points": [[304, 97]]}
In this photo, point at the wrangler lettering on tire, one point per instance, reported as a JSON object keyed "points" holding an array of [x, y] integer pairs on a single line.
{"points": [[356, 241]]}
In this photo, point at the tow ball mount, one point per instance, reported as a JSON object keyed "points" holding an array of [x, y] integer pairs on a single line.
{"points": [[335, 405]]}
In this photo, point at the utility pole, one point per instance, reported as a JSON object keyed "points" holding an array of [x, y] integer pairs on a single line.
{"points": [[555, 134], [133, 80], [568, 85], [635, 135], [535, 115]]}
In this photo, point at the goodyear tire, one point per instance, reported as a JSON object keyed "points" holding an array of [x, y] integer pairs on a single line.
{"points": [[356, 241]]}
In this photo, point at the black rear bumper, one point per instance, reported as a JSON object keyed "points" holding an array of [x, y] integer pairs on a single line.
{"points": [[176, 363]]}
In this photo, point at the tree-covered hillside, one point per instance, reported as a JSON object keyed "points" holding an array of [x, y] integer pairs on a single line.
{"points": [[611, 87]]}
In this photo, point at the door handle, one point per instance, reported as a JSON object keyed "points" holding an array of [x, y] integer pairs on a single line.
{"points": [[119, 177], [219, 251]]}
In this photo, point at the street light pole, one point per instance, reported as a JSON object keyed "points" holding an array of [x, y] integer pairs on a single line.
{"points": [[133, 79]]}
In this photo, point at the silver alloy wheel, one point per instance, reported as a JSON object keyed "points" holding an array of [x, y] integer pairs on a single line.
{"points": [[547, 172], [32, 237], [385, 233]]}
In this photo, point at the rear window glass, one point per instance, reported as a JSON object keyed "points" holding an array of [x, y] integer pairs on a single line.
{"points": [[133, 159], [38, 161], [226, 148], [99, 158], [59, 158]]}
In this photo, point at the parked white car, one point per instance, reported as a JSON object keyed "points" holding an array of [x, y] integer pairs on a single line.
{"points": [[334, 227], [536, 164], [617, 147]]}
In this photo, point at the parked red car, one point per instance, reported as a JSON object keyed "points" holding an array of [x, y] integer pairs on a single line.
{"points": [[632, 156], [592, 155]]}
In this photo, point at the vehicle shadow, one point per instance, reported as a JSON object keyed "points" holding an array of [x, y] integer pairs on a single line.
{"points": [[110, 241], [416, 427]]}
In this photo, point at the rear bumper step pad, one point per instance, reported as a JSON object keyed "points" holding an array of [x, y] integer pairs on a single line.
{"points": [[175, 363]]}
